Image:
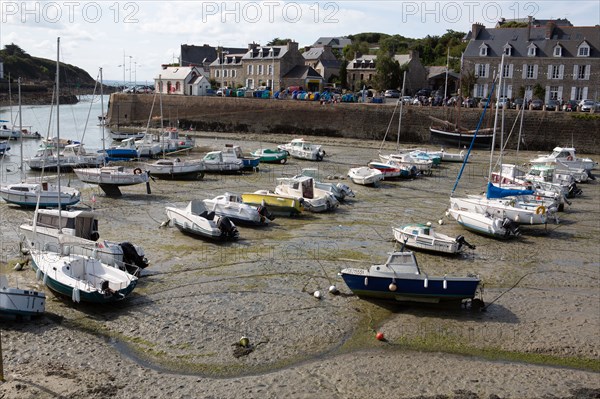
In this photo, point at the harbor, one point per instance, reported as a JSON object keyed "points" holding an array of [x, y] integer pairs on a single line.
{"points": [[197, 298]]}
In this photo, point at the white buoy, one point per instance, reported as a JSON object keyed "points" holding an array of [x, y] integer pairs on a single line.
{"points": [[244, 341], [392, 287], [441, 222], [317, 294], [18, 267], [428, 224], [447, 213], [333, 290]]}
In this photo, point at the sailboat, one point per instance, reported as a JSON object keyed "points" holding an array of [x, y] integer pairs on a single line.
{"points": [[12, 132], [402, 159], [110, 178], [32, 194], [453, 134], [80, 277]]}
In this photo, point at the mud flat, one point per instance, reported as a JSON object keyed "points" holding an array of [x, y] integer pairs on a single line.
{"points": [[176, 336]]}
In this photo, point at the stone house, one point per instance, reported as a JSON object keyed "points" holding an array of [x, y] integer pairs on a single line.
{"points": [[176, 80], [335, 43], [363, 68], [322, 60], [563, 59], [203, 56]]}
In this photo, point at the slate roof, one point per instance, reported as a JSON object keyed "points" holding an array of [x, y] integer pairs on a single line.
{"points": [[436, 71], [313, 53], [264, 52], [331, 63], [334, 42], [175, 73], [569, 37], [198, 55], [302, 72]]}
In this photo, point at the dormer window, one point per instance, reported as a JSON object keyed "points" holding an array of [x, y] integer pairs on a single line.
{"points": [[483, 50], [531, 50], [507, 49], [583, 50], [557, 51]]}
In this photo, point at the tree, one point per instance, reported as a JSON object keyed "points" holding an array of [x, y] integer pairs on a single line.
{"points": [[344, 74], [539, 92], [279, 42], [356, 47], [388, 72], [468, 80], [13, 49]]}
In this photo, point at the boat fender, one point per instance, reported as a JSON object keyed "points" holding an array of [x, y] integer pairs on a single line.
{"points": [[445, 284], [425, 282], [137, 171], [569, 158], [540, 210], [38, 275], [366, 281], [392, 287], [75, 296]]}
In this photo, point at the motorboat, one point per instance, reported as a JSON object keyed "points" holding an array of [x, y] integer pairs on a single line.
{"points": [[19, 302], [391, 169], [423, 165], [365, 176], [233, 207], [268, 155], [485, 224], [196, 219], [4, 147], [298, 148], [401, 279], [424, 236], [29, 195], [80, 235], [568, 157], [234, 152], [110, 178], [216, 161], [340, 191], [176, 169], [278, 204], [125, 151], [302, 188]]}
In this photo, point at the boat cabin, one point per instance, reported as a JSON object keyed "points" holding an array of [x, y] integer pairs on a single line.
{"points": [[399, 262], [81, 224], [304, 185]]}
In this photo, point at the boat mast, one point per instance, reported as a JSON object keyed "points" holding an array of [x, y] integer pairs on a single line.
{"points": [[162, 135], [20, 130], [447, 66], [520, 128], [58, 130], [500, 81], [400, 115], [103, 119]]}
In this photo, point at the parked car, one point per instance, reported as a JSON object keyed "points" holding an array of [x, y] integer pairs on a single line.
{"points": [[537, 104], [407, 99], [424, 93], [392, 93], [502, 101], [483, 102], [516, 102], [587, 105], [551, 105], [570, 106]]}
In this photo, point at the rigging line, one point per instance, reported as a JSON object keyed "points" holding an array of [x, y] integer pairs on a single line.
{"points": [[389, 126], [503, 147], [462, 168], [90, 108]]}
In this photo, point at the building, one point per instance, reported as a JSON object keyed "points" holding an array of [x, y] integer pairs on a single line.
{"points": [[363, 69], [203, 56], [563, 59], [177, 80], [437, 79], [323, 61], [335, 43]]}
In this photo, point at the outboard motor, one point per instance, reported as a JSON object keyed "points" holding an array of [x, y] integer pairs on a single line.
{"points": [[132, 258], [228, 229], [461, 241], [511, 227], [590, 175], [346, 190], [574, 191], [263, 211]]}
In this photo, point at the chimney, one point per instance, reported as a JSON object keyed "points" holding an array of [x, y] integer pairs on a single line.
{"points": [[292, 46], [529, 21], [252, 46], [550, 25], [306, 48], [476, 29]]}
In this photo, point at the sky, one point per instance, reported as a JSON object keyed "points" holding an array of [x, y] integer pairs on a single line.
{"points": [[131, 39]]}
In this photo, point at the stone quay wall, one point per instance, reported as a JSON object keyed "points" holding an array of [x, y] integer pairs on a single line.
{"points": [[542, 130]]}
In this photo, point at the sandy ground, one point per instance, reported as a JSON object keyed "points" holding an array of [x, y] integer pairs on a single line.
{"points": [[176, 336]]}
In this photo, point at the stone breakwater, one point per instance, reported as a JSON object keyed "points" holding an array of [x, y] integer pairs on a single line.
{"points": [[542, 130]]}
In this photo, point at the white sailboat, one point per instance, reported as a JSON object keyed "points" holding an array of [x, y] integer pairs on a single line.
{"points": [[32, 194], [19, 302], [110, 178]]}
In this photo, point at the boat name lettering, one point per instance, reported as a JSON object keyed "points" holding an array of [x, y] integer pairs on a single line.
{"points": [[68, 11]]}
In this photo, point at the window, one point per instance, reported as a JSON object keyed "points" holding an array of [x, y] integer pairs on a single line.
{"points": [[217, 73], [270, 70], [483, 50], [479, 91], [250, 83], [507, 49], [481, 70], [531, 50], [581, 72], [583, 51], [554, 74], [177, 86], [554, 92], [507, 71], [558, 51], [233, 73], [260, 70], [225, 73], [250, 69], [530, 72], [578, 94], [528, 92]]}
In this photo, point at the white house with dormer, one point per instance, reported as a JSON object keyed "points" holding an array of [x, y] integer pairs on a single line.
{"points": [[178, 80]]}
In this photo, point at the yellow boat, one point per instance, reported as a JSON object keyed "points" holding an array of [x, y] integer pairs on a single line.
{"points": [[276, 204]]}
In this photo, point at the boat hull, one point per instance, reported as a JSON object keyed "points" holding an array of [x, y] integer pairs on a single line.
{"points": [[417, 289], [17, 302], [460, 139], [426, 242], [277, 205]]}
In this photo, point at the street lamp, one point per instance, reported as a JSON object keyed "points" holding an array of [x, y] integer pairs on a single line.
{"points": [[130, 57], [223, 54]]}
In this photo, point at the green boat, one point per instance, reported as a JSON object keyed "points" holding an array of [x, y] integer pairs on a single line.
{"points": [[269, 155]]}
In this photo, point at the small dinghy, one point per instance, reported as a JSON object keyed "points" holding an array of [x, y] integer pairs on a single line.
{"points": [[365, 176], [423, 236]]}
